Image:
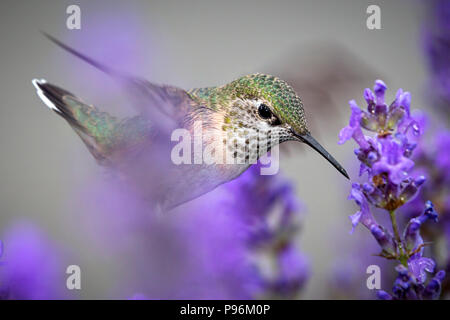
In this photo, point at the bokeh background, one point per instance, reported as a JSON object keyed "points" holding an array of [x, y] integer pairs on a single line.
{"points": [[323, 48]]}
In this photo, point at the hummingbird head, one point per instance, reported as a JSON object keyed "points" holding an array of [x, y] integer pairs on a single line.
{"points": [[265, 104]]}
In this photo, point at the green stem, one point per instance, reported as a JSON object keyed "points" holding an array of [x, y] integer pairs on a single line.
{"points": [[394, 225], [402, 257]]}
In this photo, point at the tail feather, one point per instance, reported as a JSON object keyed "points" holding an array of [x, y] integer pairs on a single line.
{"points": [[94, 127], [105, 136], [54, 97], [42, 89]]}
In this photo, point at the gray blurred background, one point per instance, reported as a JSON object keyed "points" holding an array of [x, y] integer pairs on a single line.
{"points": [[322, 47]]}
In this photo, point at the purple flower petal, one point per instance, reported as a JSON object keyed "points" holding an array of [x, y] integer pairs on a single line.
{"points": [[433, 289], [355, 219], [379, 88], [405, 101], [364, 216], [393, 162], [419, 266], [353, 130], [369, 96], [383, 238]]}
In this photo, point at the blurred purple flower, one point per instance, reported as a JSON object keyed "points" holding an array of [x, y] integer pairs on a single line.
{"points": [[294, 271], [125, 49], [443, 152], [33, 268], [264, 212], [437, 49], [236, 242]]}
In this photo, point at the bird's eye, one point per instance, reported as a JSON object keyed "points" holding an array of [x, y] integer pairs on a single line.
{"points": [[264, 111]]}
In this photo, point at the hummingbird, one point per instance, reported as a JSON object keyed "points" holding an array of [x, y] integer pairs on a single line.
{"points": [[255, 107]]}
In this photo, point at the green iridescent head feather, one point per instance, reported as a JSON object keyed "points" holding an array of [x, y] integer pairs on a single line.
{"points": [[286, 104]]}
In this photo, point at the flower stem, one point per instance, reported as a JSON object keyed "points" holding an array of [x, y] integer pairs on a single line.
{"points": [[394, 225], [402, 256]]}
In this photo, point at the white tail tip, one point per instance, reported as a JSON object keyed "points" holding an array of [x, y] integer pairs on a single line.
{"points": [[41, 94]]}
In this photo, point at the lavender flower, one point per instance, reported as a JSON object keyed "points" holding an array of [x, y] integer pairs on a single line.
{"points": [[269, 213], [407, 286], [432, 163], [432, 157], [386, 159], [237, 242], [293, 269], [33, 268]]}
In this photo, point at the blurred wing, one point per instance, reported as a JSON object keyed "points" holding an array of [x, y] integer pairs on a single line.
{"points": [[165, 106]]}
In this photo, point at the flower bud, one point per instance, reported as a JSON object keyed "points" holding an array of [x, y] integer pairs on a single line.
{"points": [[369, 96], [430, 213], [433, 289], [379, 88], [383, 238], [412, 234], [368, 187]]}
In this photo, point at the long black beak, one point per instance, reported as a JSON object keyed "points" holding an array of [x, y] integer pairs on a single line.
{"points": [[310, 141]]}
